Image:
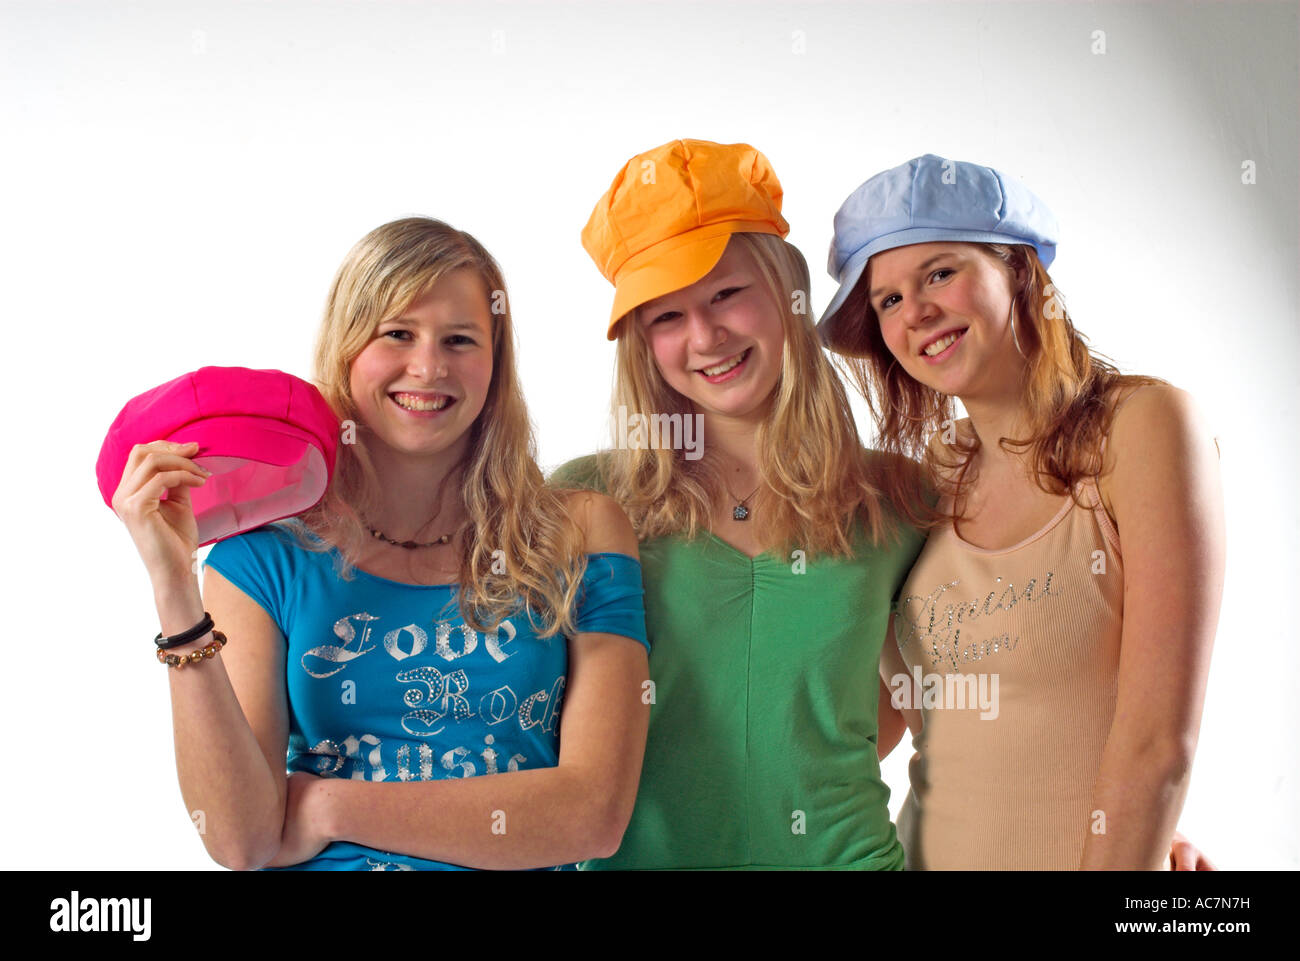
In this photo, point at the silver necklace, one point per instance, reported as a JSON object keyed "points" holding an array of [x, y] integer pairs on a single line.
{"points": [[740, 512]]}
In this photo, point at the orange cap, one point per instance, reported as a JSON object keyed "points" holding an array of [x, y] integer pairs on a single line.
{"points": [[666, 219]]}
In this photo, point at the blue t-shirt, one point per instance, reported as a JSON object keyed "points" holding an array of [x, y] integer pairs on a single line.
{"points": [[387, 682]]}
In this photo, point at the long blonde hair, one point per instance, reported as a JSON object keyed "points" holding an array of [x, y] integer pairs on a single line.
{"points": [[810, 456], [522, 549]]}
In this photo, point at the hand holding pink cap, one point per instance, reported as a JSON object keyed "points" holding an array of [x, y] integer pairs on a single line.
{"points": [[269, 438]]}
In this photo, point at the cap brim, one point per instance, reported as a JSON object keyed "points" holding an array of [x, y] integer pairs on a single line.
{"points": [[830, 326], [673, 264], [264, 470]]}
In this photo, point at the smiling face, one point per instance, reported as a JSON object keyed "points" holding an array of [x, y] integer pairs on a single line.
{"points": [[423, 379], [719, 341], [945, 315]]}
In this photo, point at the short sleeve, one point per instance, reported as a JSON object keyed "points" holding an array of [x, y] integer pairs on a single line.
{"points": [[581, 473], [612, 599], [908, 550], [259, 564]]}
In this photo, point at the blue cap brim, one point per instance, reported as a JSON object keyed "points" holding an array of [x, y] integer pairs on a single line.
{"points": [[829, 326]]}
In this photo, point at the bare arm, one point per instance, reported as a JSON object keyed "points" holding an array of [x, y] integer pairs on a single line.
{"points": [[1168, 503], [230, 722], [523, 819], [233, 775]]}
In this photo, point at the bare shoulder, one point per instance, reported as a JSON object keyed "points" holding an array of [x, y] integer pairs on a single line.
{"points": [[604, 526], [1150, 415], [1158, 431]]}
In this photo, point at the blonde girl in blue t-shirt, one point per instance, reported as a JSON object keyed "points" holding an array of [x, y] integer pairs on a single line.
{"points": [[416, 351]]}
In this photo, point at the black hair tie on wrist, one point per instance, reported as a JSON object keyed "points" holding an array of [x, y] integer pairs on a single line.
{"points": [[193, 634]]}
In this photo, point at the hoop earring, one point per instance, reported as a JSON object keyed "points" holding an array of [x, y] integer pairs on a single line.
{"points": [[889, 374], [1014, 339]]}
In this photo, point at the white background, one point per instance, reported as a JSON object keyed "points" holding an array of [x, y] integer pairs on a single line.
{"points": [[180, 181]]}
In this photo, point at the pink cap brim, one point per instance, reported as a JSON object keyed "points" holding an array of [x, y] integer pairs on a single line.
{"points": [[263, 471]]}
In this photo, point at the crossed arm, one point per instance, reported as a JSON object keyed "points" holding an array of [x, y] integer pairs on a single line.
{"points": [[523, 819]]}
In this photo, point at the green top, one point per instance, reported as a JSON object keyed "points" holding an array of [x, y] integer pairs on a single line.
{"points": [[762, 743]]}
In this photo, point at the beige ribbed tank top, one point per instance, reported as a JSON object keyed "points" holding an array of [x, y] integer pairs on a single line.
{"points": [[1017, 652]]}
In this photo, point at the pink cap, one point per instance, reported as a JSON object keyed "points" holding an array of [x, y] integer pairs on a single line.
{"points": [[269, 438]]}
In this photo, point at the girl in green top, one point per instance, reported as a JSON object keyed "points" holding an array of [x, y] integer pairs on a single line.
{"points": [[770, 559]]}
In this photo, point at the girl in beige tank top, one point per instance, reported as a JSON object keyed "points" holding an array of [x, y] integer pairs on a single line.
{"points": [[1053, 684], [1033, 632]]}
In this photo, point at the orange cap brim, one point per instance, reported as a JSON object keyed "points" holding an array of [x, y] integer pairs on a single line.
{"points": [[673, 264]]}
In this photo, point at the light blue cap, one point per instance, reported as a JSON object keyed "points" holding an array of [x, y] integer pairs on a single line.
{"points": [[930, 199]]}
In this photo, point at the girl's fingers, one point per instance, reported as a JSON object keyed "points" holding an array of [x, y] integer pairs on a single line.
{"points": [[1187, 857], [151, 493], [161, 450], [147, 461], [172, 479]]}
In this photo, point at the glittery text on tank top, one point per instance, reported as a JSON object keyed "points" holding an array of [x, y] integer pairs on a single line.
{"points": [[937, 625]]}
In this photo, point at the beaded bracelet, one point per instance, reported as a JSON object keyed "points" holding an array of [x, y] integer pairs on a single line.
{"points": [[180, 660]]}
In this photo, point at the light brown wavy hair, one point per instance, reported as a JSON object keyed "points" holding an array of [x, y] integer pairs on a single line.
{"points": [[1069, 392], [821, 479], [509, 506]]}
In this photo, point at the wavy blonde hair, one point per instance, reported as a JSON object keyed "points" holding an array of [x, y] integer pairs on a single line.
{"points": [[1069, 392], [810, 457], [509, 506]]}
